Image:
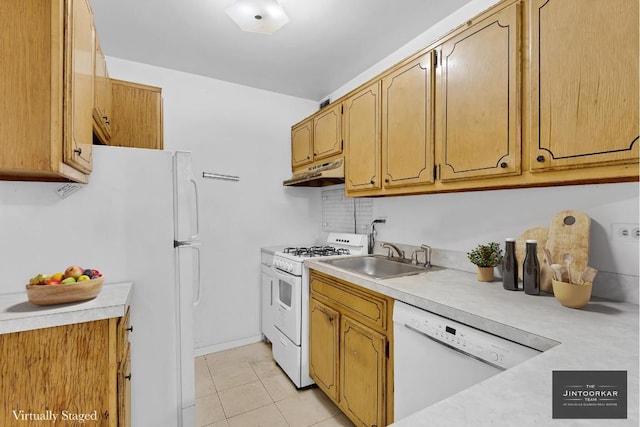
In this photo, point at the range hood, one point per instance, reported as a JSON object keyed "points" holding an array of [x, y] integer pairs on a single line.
{"points": [[320, 175]]}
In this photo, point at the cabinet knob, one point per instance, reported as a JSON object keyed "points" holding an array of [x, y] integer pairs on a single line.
{"points": [[78, 151], [386, 180], [540, 159], [503, 165], [372, 181]]}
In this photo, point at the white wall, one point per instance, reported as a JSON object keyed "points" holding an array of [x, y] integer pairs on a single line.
{"points": [[233, 130]]}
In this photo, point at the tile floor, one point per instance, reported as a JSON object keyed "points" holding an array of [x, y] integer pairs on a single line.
{"points": [[243, 387]]}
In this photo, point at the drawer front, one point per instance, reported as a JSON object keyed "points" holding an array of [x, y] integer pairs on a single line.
{"points": [[362, 305]]}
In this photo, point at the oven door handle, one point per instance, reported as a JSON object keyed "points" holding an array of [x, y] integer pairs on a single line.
{"points": [[289, 278]]}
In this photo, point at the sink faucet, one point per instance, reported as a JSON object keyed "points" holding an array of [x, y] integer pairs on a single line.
{"points": [[391, 247], [427, 255], [372, 234]]}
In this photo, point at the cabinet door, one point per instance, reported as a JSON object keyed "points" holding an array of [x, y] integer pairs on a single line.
{"points": [[362, 139], [407, 130], [137, 115], [478, 112], [327, 133], [102, 101], [362, 373], [302, 144], [124, 391], [324, 347], [584, 83], [80, 51]]}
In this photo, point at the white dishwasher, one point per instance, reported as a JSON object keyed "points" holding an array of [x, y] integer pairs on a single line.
{"points": [[435, 357]]}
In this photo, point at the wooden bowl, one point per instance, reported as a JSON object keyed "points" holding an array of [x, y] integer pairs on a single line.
{"points": [[572, 295], [68, 292]]}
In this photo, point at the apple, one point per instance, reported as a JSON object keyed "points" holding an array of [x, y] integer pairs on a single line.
{"points": [[68, 280], [51, 281], [83, 278], [73, 271]]}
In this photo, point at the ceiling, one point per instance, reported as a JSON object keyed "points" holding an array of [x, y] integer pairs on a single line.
{"points": [[325, 44]]}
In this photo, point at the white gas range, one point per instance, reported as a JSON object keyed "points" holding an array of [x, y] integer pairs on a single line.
{"points": [[291, 295]]}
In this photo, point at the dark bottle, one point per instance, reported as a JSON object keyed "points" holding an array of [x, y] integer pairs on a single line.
{"points": [[510, 266], [531, 269]]}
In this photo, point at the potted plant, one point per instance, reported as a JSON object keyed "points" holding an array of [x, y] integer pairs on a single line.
{"points": [[486, 257]]}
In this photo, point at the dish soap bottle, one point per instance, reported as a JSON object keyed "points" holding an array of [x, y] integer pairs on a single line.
{"points": [[510, 266], [531, 269]]}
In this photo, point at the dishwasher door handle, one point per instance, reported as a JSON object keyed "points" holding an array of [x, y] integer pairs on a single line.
{"points": [[486, 362]]}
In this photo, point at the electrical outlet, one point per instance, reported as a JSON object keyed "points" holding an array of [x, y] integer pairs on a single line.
{"points": [[625, 232]]}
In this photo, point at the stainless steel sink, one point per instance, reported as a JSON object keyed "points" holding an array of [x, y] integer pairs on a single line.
{"points": [[378, 267]]}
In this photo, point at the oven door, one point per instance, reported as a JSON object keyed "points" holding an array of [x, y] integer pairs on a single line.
{"points": [[288, 297]]}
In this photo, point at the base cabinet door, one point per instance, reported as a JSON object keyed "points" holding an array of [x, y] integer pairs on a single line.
{"points": [[362, 373], [323, 347], [350, 351], [584, 83]]}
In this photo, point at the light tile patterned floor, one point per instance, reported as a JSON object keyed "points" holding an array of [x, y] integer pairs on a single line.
{"points": [[243, 387]]}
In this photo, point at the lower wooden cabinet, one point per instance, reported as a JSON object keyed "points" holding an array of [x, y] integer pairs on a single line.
{"points": [[350, 351], [76, 373]]}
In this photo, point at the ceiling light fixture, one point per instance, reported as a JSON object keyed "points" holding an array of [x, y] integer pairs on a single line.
{"points": [[258, 16]]}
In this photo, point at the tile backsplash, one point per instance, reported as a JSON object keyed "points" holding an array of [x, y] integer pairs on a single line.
{"points": [[345, 215]]}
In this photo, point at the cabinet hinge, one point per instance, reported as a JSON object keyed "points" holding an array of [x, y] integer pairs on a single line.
{"points": [[386, 350], [435, 59], [342, 109], [435, 172], [342, 145]]}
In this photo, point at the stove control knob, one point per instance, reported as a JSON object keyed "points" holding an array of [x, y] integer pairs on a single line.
{"points": [[494, 356]]}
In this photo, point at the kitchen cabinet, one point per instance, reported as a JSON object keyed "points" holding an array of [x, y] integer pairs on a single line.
{"points": [[137, 116], [478, 100], [302, 144], [388, 128], [407, 124], [584, 75], [318, 137], [269, 308], [102, 98], [350, 351], [362, 144], [80, 369], [47, 90]]}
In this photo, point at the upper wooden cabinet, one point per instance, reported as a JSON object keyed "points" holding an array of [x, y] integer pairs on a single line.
{"points": [[46, 66], [318, 137], [327, 132], [584, 74], [361, 130], [407, 124], [478, 100], [137, 115], [302, 144], [102, 98]]}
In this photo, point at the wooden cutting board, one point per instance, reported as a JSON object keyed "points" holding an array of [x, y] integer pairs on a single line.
{"points": [[569, 234], [535, 233]]}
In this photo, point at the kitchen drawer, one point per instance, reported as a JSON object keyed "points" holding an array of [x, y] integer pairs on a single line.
{"points": [[364, 306]]}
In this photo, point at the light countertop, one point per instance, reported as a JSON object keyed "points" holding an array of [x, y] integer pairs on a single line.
{"points": [[17, 314], [601, 336]]}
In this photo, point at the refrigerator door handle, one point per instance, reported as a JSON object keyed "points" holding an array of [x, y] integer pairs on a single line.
{"points": [[196, 206], [196, 268]]}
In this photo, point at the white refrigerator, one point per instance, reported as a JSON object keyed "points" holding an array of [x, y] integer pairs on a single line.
{"points": [[136, 220]]}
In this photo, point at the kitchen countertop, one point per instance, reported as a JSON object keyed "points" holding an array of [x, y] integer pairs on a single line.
{"points": [[17, 314], [601, 336]]}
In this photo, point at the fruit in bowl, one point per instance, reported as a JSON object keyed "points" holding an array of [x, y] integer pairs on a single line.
{"points": [[75, 284]]}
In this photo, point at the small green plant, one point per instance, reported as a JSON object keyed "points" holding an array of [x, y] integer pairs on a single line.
{"points": [[488, 255]]}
